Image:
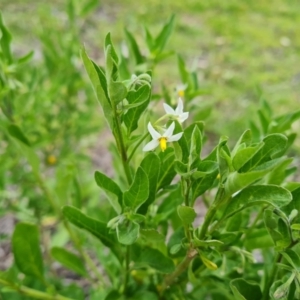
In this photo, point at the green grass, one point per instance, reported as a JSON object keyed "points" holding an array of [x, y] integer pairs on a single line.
{"points": [[240, 49]]}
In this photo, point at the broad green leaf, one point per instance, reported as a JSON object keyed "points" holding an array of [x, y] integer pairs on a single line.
{"points": [[93, 226], [238, 180], [186, 214], [99, 84], [167, 172], [293, 258], [141, 97], [138, 192], [152, 236], [155, 260], [127, 232], [180, 168], [116, 91], [294, 204], [188, 132], [151, 165], [69, 260], [279, 173], [145, 295], [295, 226], [5, 41], [245, 290], [268, 194], [273, 144], [182, 143], [202, 184], [242, 156], [111, 189], [196, 145], [26, 249], [246, 139], [139, 59]]}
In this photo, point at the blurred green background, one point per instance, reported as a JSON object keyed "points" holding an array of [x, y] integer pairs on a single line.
{"points": [[240, 49]]}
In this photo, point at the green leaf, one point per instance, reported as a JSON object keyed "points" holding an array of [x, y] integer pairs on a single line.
{"points": [[164, 35], [20, 139], [5, 41], [208, 263], [273, 144], [238, 180], [186, 214], [196, 145], [93, 226], [151, 165], [208, 170], [26, 249], [242, 156], [138, 192], [245, 290], [141, 97], [69, 260], [246, 139], [149, 40], [155, 260], [111, 189], [184, 74], [139, 59], [116, 91], [113, 52], [167, 172], [258, 239], [127, 232], [152, 236], [99, 84], [268, 194], [293, 258]]}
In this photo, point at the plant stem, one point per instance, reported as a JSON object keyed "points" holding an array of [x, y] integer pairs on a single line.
{"points": [[136, 146], [127, 261], [32, 293], [211, 212], [271, 278], [170, 279]]}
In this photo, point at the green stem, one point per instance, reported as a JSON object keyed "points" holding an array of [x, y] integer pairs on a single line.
{"points": [[127, 265], [271, 278], [211, 212], [170, 279], [136, 146], [32, 293]]}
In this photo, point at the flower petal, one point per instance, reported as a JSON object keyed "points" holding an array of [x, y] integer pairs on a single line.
{"points": [[175, 137], [179, 108], [183, 117], [168, 133], [168, 109], [155, 135], [151, 145]]}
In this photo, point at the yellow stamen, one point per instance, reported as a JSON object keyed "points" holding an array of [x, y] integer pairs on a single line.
{"points": [[181, 93], [163, 143]]}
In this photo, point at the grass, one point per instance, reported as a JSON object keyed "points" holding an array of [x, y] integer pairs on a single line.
{"points": [[242, 50]]}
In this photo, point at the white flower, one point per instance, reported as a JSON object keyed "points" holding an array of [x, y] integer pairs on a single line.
{"points": [[161, 139], [178, 112]]}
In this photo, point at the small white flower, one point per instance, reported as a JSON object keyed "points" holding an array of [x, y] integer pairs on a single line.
{"points": [[161, 139], [178, 112]]}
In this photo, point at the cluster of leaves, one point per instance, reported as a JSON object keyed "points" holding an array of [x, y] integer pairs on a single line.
{"points": [[159, 248]]}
